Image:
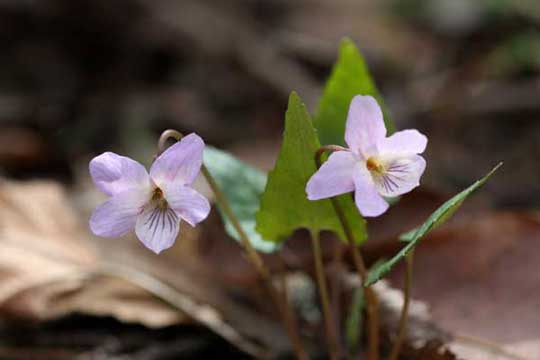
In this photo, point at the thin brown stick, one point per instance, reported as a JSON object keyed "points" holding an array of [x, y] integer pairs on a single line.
{"points": [[325, 148], [336, 285], [487, 345], [181, 302], [290, 316], [325, 301], [402, 332], [371, 298], [252, 254]]}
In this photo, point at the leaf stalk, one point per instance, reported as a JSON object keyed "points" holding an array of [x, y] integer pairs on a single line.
{"points": [[402, 332], [372, 303], [329, 320]]}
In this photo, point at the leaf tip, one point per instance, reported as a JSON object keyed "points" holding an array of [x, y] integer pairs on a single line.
{"points": [[501, 163], [293, 97], [371, 279]]}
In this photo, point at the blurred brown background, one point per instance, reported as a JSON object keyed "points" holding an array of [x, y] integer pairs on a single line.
{"points": [[81, 77]]}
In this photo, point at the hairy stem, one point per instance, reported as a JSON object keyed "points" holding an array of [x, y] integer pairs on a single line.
{"points": [[372, 303], [325, 300], [252, 254], [402, 332]]}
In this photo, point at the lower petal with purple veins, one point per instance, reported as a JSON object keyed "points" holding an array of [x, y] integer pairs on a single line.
{"points": [[157, 227], [368, 200], [400, 174]]}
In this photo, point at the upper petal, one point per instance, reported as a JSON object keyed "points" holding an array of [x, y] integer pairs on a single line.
{"points": [[116, 217], [365, 125], [157, 227], [113, 173], [180, 163], [367, 199], [335, 177], [401, 175], [188, 203], [406, 141]]}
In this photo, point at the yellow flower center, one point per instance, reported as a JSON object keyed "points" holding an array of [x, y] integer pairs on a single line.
{"points": [[374, 165]]}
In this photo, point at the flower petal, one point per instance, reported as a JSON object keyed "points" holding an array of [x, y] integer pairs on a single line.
{"points": [[157, 227], [335, 177], [180, 163], [368, 201], [365, 126], [114, 174], [406, 141], [117, 216], [402, 174], [188, 203]]}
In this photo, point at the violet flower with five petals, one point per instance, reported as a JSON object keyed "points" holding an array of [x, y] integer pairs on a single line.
{"points": [[151, 204], [374, 166]]}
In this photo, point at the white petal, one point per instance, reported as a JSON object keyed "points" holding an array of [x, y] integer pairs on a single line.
{"points": [[335, 177], [401, 175], [180, 163], [367, 199], [113, 173], [117, 216], [188, 203], [406, 141], [157, 228], [365, 126]]}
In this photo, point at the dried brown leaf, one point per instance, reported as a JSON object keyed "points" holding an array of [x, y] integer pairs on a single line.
{"points": [[480, 279], [46, 258], [50, 266]]}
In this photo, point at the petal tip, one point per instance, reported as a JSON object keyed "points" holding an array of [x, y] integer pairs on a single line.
{"points": [[156, 248], [181, 162], [373, 214]]}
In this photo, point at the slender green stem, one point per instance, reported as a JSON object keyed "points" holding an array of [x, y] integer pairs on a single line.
{"points": [[402, 332], [252, 254], [325, 300], [372, 303]]}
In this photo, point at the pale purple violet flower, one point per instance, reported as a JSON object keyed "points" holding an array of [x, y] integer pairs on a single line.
{"points": [[374, 165], [152, 204]]}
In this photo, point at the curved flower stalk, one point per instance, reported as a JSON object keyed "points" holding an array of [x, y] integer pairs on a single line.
{"points": [[374, 166], [153, 204]]}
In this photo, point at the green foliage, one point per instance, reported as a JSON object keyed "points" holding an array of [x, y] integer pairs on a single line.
{"points": [[517, 53], [242, 185], [443, 213], [350, 76], [284, 204]]}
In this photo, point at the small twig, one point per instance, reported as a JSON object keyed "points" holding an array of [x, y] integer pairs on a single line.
{"points": [[372, 306], [204, 314], [402, 332], [336, 284], [325, 148], [252, 254], [325, 301], [487, 345], [288, 308]]}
